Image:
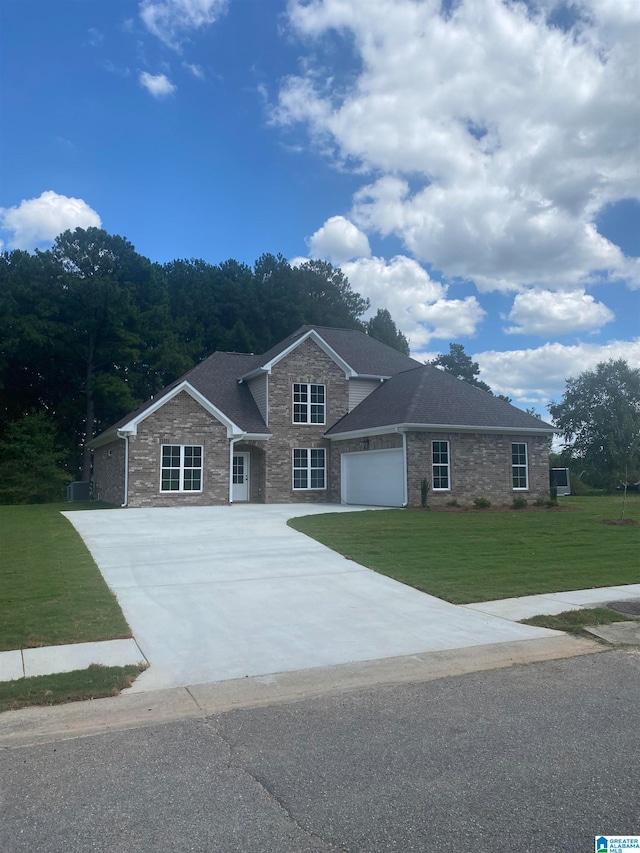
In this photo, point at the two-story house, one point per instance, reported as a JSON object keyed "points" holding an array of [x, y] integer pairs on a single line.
{"points": [[327, 415]]}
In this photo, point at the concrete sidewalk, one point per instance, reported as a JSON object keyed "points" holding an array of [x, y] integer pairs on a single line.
{"points": [[49, 660]]}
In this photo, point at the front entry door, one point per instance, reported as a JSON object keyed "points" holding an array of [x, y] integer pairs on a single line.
{"points": [[240, 476]]}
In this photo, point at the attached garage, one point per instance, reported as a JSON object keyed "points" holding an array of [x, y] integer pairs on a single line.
{"points": [[373, 478]]}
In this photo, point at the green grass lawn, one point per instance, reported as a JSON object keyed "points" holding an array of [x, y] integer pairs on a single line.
{"points": [[480, 556], [51, 591], [576, 620]]}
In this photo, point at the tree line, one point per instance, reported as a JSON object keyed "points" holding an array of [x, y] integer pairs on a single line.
{"points": [[90, 328]]}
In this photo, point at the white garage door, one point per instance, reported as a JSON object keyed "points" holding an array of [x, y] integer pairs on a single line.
{"points": [[373, 478]]}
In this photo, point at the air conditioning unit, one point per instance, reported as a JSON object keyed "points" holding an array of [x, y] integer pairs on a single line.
{"points": [[79, 491]]}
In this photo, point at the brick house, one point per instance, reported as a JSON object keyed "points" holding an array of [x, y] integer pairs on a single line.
{"points": [[327, 415]]}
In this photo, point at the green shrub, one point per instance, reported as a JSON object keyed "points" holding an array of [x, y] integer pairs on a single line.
{"points": [[482, 503], [453, 502], [551, 502], [424, 491], [519, 502], [540, 502]]}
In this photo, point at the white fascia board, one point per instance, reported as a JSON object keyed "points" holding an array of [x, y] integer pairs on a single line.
{"points": [[257, 436], [349, 372], [371, 376], [103, 439], [232, 428], [382, 430]]}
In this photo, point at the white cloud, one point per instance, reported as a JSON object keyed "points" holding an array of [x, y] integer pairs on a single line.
{"points": [[196, 70], [493, 136], [171, 20], [157, 85], [546, 313], [338, 240], [37, 221], [416, 302], [539, 375]]}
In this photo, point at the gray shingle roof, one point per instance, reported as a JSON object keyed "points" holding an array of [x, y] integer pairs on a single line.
{"points": [[217, 379], [365, 355], [429, 396]]}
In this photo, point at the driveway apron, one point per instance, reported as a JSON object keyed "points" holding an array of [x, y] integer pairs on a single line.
{"points": [[214, 593]]}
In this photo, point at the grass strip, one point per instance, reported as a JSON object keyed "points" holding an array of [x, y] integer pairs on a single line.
{"points": [[96, 682], [470, 556], [51, 591], [575, 620]]}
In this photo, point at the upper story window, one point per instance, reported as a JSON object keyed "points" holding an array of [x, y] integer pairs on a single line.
{"points": [[181, 468], [519, 472], [440, 460], [309, 403]]}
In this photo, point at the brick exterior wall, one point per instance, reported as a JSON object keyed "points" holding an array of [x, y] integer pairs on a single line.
{"points": [[307, 363], [180, 421], [354, 445], [108, 472], [480, 467]]}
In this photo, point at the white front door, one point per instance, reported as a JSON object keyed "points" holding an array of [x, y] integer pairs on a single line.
{"points": [[241, 476]]}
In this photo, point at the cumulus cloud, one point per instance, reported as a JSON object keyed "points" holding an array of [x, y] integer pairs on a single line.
{"points": [[157, 85], [38, 221], [492, 134], [545, 313], [338, 240], [172, 20], [539, 375], [417, 303]]}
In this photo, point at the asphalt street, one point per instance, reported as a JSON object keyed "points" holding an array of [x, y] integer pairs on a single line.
{"points": [[537, 757]]}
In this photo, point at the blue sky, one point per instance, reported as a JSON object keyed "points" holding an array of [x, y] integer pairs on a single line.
{"points": [[473, 166]]}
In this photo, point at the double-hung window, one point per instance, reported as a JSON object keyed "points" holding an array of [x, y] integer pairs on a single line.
{"points": [[309, 468], [309, 402], [181, 468], [440, 462], [519, 473]]}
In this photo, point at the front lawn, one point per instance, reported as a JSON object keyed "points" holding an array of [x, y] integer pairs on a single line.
{"points": [[51, 591], [480, 556]]}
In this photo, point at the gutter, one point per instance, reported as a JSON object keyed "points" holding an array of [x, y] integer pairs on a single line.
{"points": [[405, 476], [125, 437]]}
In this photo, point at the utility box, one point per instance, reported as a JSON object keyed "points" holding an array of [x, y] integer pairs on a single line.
{"points": [[79, 491], [559, 477]]}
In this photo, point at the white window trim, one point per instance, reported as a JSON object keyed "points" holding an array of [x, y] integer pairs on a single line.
{"points": [[308, 469], [525, 466], [440, 465], [182, 490], [308, 404]]}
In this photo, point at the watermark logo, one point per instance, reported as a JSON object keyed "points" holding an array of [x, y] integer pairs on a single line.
{"points": [[616, 843]]}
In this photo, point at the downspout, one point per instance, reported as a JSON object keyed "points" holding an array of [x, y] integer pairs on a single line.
{"points": [[125, 437], [231, 446], [404, 465]]}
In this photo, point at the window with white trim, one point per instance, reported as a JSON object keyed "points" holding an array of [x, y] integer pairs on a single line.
{"points": [[309, 468], [181, 468], [440, 465], [519, 466], [309, 402]]}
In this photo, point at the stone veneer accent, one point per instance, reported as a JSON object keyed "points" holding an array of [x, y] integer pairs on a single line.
{"points": [[180, 421], [307, 363], [108, 472], [480, 466]]}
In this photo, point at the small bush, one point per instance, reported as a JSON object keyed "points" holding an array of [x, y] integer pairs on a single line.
{"points": [[519, 502], [482, 503], [424, 492], [453, 502], [551, 502], [540, 502]]}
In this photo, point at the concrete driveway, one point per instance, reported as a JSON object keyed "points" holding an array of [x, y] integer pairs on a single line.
{"points": [[214, 593]]}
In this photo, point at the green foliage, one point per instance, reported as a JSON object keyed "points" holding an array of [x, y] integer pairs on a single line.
{"points": [[460, 364], [519, 502], [424, 491], [382, 328], [599, 416], [482, 503], [30, 462], [452, 502], [539, 502]]}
